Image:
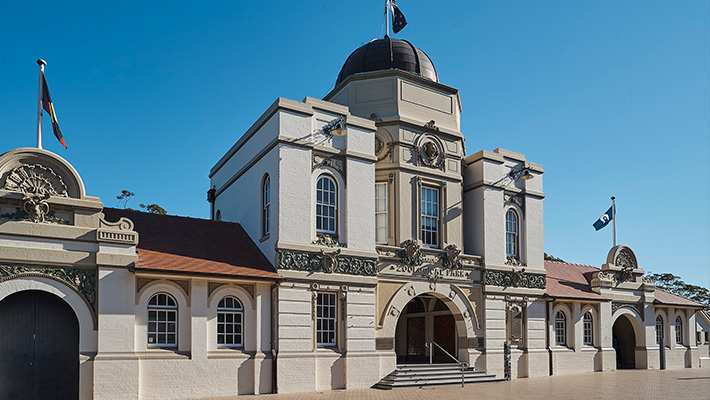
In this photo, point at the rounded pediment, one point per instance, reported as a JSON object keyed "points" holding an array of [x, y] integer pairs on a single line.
{"points": [[622, 256], [32, 171]]}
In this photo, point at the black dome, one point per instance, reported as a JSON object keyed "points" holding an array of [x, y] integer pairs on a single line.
{"points": [[388, 53]]}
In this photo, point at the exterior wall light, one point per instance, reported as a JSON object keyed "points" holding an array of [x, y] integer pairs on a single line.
{"points": [[520, 173], [336, 127]]}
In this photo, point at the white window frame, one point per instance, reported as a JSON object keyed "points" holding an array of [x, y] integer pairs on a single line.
{"points": [[560, 328], [265, 205], [659, 329], [678, 330], [166, 310], [512, 234], [381, 212], [323, 205], [426, 216], [236, 325], [588, 328], [326, 319]]}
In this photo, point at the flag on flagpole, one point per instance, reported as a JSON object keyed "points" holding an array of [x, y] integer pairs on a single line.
{"points": [[49, 107], [604, 219], [398, 20]]}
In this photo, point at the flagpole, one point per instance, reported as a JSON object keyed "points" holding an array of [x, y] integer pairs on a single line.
{"points": [[40, 94], [387, 18], [613, 217]]}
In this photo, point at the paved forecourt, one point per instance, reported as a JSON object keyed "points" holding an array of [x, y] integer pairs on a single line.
{"points": [[683, 384]]}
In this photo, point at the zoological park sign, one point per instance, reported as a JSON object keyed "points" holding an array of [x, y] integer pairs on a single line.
{"points": [[432, 272]]}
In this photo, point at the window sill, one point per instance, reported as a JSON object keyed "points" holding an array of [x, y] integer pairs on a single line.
{"points": [[561, 349], [229, 352], [334, 350], [265, 238], [162, 354], [588, 348]]}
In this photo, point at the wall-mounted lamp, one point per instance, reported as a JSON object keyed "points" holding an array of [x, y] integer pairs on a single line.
{"points": [[335, 127], [520, 173]]}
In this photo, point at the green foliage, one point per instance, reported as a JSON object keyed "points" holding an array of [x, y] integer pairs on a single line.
{"points": [[124, 197], [552, 258], [153, 209], [675, 285]]}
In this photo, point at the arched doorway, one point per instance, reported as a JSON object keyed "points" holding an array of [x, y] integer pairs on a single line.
{"points": [[424, 319], [624, 342], [39, 347]]}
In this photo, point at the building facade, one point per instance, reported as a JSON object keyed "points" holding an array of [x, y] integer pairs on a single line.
{"points": [[348, 235]]}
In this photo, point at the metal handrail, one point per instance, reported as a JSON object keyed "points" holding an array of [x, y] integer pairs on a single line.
{"points": [[462, 364]]}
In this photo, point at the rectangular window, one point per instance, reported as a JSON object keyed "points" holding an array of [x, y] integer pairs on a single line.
{"points": [[162, 328], [588, 333], [430, 216], [381, 212], [326, 319]]}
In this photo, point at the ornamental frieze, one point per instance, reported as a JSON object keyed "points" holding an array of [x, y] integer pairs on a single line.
{"points": [[83, 281], [615, 305], [328, 262], [514, 279]]}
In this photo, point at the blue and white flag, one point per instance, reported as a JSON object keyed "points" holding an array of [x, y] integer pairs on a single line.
{"points": [[605, 219]]}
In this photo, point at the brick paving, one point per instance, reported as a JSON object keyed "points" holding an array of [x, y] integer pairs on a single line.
{"points": [[678, 384]]}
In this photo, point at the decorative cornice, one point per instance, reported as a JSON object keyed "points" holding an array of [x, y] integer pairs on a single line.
{"points": [[514, 279], [326, 262]]}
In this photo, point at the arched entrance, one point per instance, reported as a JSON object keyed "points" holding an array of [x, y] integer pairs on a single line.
{"points": [[424, 319], [39, 347], [624, 342]]}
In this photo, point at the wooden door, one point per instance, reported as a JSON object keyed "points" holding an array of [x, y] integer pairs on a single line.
{"points": [[445, 336], [39, 348], [415, 337]]}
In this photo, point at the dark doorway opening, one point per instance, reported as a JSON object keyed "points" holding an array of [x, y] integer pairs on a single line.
{"points": [[425, 319], [39, 348], [624, 342]]}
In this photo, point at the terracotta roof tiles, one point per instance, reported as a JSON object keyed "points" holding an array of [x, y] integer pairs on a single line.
{"points": [[570, 280], [181, 244]]}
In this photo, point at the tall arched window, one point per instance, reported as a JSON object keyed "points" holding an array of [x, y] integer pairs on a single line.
{"points": [[560, 329], [659, 329], [265, 205], [230, 316], [326, 205], [678, 330], [512, 234], [162, 321], [588, 329]]}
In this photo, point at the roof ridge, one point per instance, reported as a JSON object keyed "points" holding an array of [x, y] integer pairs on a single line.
{"points": [[172, 216], [570, 263]]}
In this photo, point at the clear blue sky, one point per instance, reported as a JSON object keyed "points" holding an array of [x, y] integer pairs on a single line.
{"points": [[611, 97]]}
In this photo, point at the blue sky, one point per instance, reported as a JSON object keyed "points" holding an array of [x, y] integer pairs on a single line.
{"points": [[612, 98]]}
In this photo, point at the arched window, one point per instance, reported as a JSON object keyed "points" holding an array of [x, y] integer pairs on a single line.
{"points": [[265, 205], [326, 205], [560, 329], [659, 329], [230, 315], [512, 234], [162, 321], [678, 330], [588, 329]]}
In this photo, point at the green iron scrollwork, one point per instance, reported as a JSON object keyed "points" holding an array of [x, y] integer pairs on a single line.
{"points": [[81, 280], [314, 262]]}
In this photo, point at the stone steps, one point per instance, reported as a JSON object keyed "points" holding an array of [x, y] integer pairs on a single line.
{"points": [[418, 375]]}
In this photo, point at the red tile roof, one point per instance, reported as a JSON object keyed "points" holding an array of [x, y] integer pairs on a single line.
{"points": [[664, 297], [570, 280], [573, 281], [190, 245]]}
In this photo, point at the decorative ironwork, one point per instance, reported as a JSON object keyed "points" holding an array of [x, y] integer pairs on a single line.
{"points": [[35, 179], [21, 215], [514, 279], [83, 281], [411, 253], [329, 241], [452, 258], [314, 262]]}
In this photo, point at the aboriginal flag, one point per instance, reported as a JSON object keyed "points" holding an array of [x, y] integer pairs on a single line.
{"points": [[49, 107]]}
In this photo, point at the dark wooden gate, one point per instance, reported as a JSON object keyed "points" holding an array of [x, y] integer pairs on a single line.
{"points": [[39, 348]]}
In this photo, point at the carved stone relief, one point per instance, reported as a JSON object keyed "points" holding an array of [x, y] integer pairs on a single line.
{"points": [[319, 159], [514, 279], [452, 257], [431, 154], [328, 263], [411, 253]]}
